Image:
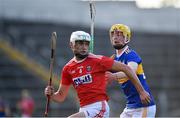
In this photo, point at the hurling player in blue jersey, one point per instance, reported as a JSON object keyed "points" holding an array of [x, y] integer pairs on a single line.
{"points": [[120, 35]]}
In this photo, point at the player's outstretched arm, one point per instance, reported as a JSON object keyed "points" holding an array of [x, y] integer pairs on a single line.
{"points": [[58, 96], [118, 66], [120, 75]]}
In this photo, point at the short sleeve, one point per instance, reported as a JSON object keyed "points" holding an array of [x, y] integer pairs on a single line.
{"points": [[133, 56], [65, 77]]}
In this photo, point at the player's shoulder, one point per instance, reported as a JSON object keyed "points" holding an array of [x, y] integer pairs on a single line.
{"points": [[113, 56], [73, 61], [130, 52], [69, 63]]}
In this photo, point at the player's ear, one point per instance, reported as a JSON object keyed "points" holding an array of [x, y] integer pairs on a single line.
{"points": [[71, 45], [111, 39], [126, 40]]}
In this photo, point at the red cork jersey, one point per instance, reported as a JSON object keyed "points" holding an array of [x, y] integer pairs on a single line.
{"points": [[88, 77]]}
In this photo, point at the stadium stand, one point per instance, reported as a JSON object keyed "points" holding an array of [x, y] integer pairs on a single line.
{"points": [[159, 53]]}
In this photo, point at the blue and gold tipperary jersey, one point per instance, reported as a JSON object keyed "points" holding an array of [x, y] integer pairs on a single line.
{"points": [[133, 99]]}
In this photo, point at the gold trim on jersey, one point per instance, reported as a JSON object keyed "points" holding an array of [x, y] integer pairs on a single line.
{"points": [[139, 71], [122, 80]]}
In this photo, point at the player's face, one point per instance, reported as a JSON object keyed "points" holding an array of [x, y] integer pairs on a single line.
{"points": [[80, 49], [117, 39]]}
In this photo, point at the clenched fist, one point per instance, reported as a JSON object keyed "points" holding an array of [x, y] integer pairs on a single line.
{"points": [[49, 91]]}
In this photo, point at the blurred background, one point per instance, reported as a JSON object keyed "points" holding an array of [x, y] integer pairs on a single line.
{"points": [[25, 31]]}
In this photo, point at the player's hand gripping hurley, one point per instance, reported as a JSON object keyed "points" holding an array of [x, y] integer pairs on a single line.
{"points": [[52, 59]]}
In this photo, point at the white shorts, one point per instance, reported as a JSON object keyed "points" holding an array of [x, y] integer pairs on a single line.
{"points": [[96, 110], [139, 112]]}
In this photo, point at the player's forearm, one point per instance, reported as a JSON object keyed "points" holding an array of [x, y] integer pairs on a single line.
{"points": [[117, 66], [119, 75], [134, 79], [58, 97], [136, 82], [61, 94]]}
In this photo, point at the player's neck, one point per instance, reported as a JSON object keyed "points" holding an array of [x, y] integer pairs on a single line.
{"points": [[80, 57], [79, 60], [121, 51]]}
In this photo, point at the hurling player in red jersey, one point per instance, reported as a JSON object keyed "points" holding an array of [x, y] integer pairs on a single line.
{"points": [[86, 72]]}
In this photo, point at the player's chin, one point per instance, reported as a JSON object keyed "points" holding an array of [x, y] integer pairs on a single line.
{"points": [[84, 55], [118, 46]]}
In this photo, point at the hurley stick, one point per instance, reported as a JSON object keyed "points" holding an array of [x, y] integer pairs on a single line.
{"points": [[52, 59], [92, 14]]}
